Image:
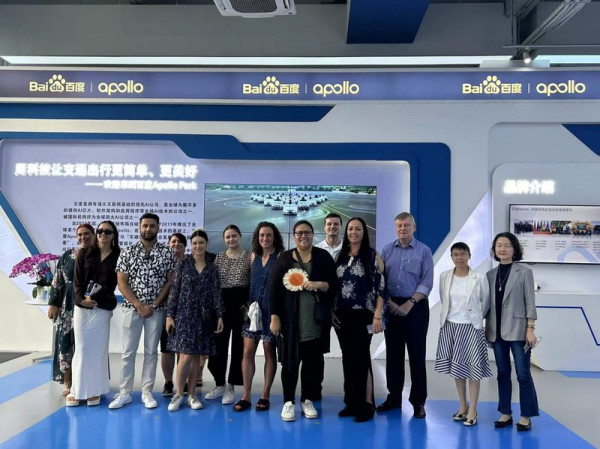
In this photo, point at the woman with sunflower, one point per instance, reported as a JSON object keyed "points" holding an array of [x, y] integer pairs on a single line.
{"points": [[303, 287]]}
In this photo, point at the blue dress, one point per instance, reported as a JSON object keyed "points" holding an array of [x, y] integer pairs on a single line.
{"points": [[194, 303], [260, 286]]}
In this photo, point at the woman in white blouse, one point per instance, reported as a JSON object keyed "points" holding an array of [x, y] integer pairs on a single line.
{"points": [[462, 348]]}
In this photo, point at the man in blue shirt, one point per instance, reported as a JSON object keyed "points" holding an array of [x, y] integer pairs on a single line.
{"points": [[408, 279]]}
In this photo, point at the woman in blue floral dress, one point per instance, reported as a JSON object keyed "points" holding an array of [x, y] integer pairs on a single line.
{"points": [[61, 302], [194, 316], [359, 304], [267, 244]]}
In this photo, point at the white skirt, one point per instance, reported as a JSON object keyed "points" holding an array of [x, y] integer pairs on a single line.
{"points": [[90, 360]]}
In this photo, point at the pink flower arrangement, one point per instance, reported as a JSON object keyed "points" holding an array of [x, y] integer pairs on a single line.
{"points": [[36, 267]]}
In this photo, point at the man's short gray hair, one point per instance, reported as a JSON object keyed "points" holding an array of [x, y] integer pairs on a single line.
{"points": [[404, 216]]}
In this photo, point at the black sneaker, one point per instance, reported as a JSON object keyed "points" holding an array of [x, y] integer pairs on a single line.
{"points": [[168, 389]]}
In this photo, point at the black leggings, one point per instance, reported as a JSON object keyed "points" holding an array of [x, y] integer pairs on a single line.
{"points": [[355, 342], [233, 299], [311, 377]]}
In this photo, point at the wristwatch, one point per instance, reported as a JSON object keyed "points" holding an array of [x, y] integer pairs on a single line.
{"points": [[413, 300], [154, 306]]}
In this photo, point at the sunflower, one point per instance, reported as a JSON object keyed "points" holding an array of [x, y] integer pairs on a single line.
{"points": [[294, 278]]}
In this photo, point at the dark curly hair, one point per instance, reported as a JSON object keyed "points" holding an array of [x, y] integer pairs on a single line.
{"points": [[277, 239]]}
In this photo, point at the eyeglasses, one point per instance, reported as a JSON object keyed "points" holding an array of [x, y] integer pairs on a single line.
{"points": [[104, 231], [303, 233]]}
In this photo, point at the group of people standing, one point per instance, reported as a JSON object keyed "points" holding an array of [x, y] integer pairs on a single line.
{"points": [[289, 300]]}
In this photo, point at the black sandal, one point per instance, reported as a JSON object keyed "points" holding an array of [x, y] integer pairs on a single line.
{"points": [[263, 405], [242, 405]]}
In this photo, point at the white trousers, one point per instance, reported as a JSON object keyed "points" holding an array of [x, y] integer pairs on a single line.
{"points": [[133, 323], [90, 360]]}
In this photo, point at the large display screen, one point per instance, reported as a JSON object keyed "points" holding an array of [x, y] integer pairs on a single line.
{"points": [[283, 205], [557, 233]]}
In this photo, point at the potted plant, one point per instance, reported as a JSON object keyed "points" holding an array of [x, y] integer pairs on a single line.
{"points": [[37, 267]]}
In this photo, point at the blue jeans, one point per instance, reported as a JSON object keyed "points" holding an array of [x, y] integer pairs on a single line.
{"points": [[527, 394]]}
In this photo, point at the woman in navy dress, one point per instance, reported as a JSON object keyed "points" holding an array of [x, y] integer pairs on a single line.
{"points": [[267, 244], [194, 306]]}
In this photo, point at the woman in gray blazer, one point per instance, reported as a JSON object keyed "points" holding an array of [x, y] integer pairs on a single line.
{"points": [[462, 349], [510, 328]]}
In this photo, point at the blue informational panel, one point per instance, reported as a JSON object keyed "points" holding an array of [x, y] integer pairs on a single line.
{"points": [[53, 186], [299, 86]]}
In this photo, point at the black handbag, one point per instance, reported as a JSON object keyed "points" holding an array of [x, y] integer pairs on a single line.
{"points": [[244, 310], [210, 319]]}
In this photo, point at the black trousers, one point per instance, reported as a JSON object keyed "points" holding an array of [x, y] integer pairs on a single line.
{"points": [[311, 376], [233, 299], [355, 342], [411, 332]]}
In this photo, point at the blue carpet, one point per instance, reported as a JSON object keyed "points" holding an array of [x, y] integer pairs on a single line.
{"points": [[19, 382], [218, 427], [581, 374]]}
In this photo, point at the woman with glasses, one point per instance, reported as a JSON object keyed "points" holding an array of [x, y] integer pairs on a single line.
{"points": [[510, 327], [95, 282], [61, 303], [234, 273], [462, 349], [359, 304], [303, 287]]}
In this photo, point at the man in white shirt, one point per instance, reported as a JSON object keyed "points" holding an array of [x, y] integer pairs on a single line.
{"points": [[333, 241]]}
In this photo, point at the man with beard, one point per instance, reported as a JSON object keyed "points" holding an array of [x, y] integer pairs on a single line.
{"points": [[144, 273]]}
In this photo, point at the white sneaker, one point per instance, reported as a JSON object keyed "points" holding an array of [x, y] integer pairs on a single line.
{"points": [[119, 400], [175, 403], [309, 409], [194, 402], [229, 395], [215, 393], [288, 413], [148, 400]]}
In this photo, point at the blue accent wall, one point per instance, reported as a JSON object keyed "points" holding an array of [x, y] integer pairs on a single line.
{"points": [[384, 21], [233, 113], [588, 134]]}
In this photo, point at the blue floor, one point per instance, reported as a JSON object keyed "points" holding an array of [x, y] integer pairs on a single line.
{"points": [[218, 427], [581, 374], [19, 382]]}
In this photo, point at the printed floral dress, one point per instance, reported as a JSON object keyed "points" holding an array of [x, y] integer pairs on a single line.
{"points": [[194, 303], [62, 296], [356, 290]]}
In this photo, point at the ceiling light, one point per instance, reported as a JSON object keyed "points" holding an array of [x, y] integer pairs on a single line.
{"points": [[529, 55]]}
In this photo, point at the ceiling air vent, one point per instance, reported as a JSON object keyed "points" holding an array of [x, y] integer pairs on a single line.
{"points": [[256, 8]]}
